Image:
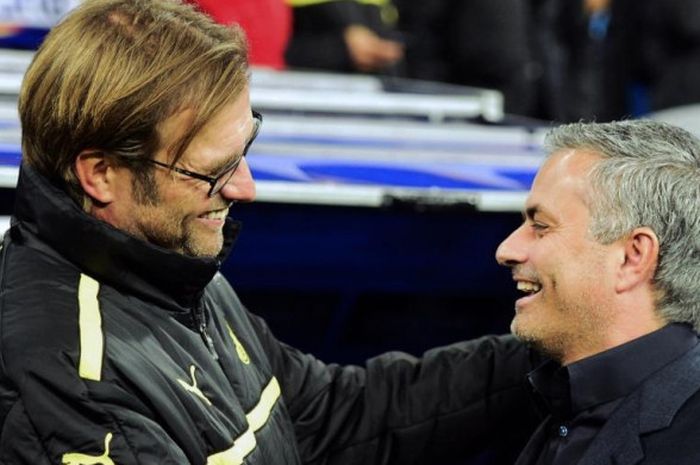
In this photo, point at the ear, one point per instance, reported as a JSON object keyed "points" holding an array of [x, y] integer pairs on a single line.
{"points": [[641, 256], [95, 172]]}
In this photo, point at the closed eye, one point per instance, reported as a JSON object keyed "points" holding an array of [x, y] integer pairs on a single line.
{"points": [[539, 228], [222, 169]]}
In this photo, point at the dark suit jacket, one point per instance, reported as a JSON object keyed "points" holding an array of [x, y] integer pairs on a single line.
{"points": [[658, 424]]}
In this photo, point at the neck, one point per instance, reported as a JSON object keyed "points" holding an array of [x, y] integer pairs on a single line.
{"points": [[625, 328]]}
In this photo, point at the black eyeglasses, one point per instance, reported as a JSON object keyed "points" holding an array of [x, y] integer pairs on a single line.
{"points": [[217, 183]]}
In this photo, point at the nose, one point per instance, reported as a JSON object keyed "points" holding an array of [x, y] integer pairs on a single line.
{"points": [[512, 251], [241, 186]]}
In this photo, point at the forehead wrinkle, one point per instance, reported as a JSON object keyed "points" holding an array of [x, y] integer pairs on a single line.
{"points": [[238, 153], [215, 167], [566, 170], [235, 155], [250, 123]]}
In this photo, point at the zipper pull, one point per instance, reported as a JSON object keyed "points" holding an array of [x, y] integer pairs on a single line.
{"points": [[200, 320], [208, 341]]}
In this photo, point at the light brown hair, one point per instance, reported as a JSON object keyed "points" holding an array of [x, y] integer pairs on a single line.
{"points": [[112, 70]]}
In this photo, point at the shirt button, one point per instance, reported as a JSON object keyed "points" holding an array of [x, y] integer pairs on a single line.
{"points": [[563, 431]]}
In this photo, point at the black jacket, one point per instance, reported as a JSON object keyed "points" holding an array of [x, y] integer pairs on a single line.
{"points": [[116, 348]]}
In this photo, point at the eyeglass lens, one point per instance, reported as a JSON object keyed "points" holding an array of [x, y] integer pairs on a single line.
{"points": [[226, 176]]}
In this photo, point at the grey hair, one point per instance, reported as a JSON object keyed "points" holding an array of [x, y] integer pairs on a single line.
{"points": [[649, 175]]}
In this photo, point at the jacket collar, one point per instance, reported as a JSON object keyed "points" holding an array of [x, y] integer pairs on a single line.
{"points": [[45, 214]]}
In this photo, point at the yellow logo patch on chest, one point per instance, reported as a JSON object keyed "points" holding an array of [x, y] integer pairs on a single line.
{"points": [[240, 350]]}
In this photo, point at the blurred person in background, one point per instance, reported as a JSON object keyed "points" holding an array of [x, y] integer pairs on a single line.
{"points": [[122, 343], [489, 46], [588, 50], [481, 43], [345, 36], [267, 24], [670, 51]]}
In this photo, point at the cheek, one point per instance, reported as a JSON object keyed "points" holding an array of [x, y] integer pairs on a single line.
{"points": [[548, 258], [563, 253], [587, 280], [180, 200], [557, 268]]}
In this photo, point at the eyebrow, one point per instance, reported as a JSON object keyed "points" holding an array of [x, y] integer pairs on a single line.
{"points": [[534, 210], [537, 210], [530, 212]]}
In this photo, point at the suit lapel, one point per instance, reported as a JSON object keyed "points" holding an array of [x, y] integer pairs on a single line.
{"points": [[649, 408], [618, 441]]}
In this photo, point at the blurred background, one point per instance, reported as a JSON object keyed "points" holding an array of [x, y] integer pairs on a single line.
{"points": [[399, 142]]}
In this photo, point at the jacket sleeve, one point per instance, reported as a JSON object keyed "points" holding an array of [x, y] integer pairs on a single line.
{"points": [[399, 409], [51, 416]]}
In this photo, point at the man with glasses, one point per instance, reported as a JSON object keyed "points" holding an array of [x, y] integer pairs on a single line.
{"points": [[120, 343], [217, 182]]}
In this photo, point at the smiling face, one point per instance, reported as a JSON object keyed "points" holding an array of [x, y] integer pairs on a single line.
{"points": [[178, 215], [565, 275]]}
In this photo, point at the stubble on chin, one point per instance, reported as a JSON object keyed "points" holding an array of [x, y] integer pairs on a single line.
{"points": [[564, 340], [166, 228], [551, 345], [202, 247]]}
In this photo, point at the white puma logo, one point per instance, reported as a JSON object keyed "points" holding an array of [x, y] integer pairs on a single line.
{"points": [[76, 458], [193, 387]]}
